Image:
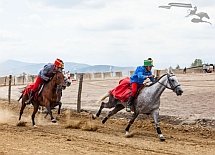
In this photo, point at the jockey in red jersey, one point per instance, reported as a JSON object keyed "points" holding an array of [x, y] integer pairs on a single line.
{"points": [[137, 79], [45, 75]]}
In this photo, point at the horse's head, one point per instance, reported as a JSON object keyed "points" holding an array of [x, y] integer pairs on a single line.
{"points": [[173, 84], [67, 82]]}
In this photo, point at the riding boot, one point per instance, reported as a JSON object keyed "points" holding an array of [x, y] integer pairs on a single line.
{"points": [[31, 96], [129, 103]]}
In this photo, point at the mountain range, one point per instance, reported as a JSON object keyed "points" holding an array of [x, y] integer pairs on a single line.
{"points": [[15, 67]]}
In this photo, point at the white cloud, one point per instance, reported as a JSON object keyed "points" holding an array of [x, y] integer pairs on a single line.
{"points": [[69, 4], [204, 3]]}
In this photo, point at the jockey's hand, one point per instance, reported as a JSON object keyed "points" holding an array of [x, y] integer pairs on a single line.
{"points": [[46, 78], [151, 76]]}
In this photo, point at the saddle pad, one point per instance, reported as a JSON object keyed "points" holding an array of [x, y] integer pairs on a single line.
{"points": [[123, 91], [28, 88]]}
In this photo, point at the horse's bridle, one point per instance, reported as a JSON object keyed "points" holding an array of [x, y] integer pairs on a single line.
{"points": [[172, 87]]}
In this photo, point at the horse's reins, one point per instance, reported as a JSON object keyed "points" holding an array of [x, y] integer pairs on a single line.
{"points": [[172, 87]]}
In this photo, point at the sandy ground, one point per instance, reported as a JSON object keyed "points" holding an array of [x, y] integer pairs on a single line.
{"points": [[187, 123], [79, 134]]}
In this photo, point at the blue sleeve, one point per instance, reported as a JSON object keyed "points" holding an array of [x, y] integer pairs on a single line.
{"points": [[44, 72], [43, 75], [140, 74]]}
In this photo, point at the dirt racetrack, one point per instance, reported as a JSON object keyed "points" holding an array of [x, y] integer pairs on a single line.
{"points": [[78, 134], [187, 123]]}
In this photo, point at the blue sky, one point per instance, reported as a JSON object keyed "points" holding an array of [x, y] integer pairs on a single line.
{"points": [[113, 32]]}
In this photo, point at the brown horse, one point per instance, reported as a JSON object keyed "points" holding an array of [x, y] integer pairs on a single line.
{"points": [[58, 102], [49, 96]]}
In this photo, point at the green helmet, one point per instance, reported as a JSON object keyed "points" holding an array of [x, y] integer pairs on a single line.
{"points": [[148, 63]]}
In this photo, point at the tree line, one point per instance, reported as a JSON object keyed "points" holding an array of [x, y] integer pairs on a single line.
{"points": [[195, 63]]}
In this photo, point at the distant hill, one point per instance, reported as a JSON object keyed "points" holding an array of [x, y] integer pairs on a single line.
{"points": [[105, 68], [15, 67]]}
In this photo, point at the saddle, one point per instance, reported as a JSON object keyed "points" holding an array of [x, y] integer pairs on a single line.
{"points": [[29, 87]]}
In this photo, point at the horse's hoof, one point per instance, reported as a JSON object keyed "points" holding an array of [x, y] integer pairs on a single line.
{"points": [[54, 120], [93, 116], [161, 137], [103, 121], [128, 135], [34, 126]]}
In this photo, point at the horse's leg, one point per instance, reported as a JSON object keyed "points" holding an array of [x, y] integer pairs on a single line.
{"points": [[22, 109], [134, 116], [48, 107], [59, 104], [36, 106], [155, 115], [59, 107], [117, 108], [46, 112], [110, 104], [103, 105]]}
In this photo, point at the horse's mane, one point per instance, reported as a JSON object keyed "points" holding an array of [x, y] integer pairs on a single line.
{"points": [[156, 80], [55, 74], [142, 87]]}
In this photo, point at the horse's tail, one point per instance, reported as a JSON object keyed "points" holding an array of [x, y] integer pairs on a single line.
{"points": [[22, 93], [104, 97], [20, 97]]}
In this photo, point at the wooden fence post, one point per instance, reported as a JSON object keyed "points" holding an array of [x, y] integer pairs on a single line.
{"points": [[79, 93], [9, 89], [5, 81]]}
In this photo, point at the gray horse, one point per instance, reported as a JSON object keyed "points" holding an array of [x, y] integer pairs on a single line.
{"points": [[147, 102]]}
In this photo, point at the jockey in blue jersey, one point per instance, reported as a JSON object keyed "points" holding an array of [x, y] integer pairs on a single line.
{"points": [[140, 75]]}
